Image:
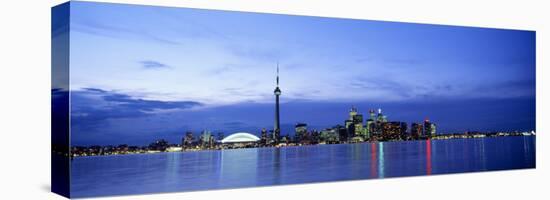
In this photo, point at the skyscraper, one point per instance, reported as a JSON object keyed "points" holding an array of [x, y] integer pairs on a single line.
{"points": [[393, 130], [300, 132], [429, 128], [277, 127], [416, 130], [264, 138], [354, 125]]}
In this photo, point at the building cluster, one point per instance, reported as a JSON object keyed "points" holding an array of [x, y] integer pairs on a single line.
{"points": [[203, 142], [96, 150], [356, 128]]}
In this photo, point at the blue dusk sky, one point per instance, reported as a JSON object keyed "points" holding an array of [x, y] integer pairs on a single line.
{"points": [[141, 73]]}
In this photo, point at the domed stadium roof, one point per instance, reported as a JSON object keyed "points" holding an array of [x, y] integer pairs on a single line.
{"points": [[240, 137]]}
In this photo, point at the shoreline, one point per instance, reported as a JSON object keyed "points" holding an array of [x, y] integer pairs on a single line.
{"points": [[282, 146]]}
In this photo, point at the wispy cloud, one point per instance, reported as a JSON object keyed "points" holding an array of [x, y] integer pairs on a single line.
{"points": [[118, 32], [176, 26], [405, 61], [91, 106], [507, 89], [151, 64]]}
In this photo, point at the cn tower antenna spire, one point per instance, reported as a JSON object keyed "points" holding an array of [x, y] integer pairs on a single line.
{"points": [[277, 73]]}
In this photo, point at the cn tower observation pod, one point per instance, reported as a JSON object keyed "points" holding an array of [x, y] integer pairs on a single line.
{"points": [[240, 137]]}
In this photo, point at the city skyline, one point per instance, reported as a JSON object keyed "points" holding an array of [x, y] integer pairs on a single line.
{"points": [[191, 71]]}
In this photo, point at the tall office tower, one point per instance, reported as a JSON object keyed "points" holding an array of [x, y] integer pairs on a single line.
{"points": [[381, 117], [372, 115], [354, 124], [416, 130], [352, 112], [300, 132], [206, 138], [427, 128], [264, 136], [189, 138], [403, 133], [433, 132], [368, 129]]}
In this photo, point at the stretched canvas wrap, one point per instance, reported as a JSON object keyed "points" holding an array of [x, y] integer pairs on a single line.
{"points": [[149, 99]]}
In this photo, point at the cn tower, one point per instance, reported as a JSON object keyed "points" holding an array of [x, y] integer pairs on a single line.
{"points": [[277, 127]]}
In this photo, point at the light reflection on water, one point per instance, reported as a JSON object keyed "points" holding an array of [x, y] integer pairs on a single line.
{"points": [[380, 160], [171, 172], [428, 157]]}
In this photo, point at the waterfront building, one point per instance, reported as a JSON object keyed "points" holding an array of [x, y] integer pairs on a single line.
{"points": [[240, 137], [300, 132], [183, 142], [188, 140], [329, 136], [393, 130], [342, 133], [315, 136], [375, 129], [358, 123], [403, 134], [354, 124], [381, 117], [206, 139], [429, 128], [122, 149], [159, 145], [433, 131], [174, 149], [264, 137], [416, 130], [372, 115], [350, 128], [240, 140], [367, 129], [284, 140]]}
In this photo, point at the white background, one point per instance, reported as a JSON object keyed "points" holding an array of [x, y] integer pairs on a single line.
{"points": [[25, 99]]}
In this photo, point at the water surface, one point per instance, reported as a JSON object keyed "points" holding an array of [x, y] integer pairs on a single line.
{"points": [[190, 171]]}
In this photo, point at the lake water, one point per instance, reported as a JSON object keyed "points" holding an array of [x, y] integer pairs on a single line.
{"points": [[190, 171]]}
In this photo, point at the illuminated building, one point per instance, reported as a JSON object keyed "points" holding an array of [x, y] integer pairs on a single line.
{"points": [[381, 116], [416, 130], [354, 124], [240, 137], [429, 128], [358, 123], [403, 133], [372, 115], [188, 140], [300, 132], [329, 136], [433, 132], [367, 129], [206, 139], [159, 145], [264, 137], [350, 127], [376, 127], [393, 130], [342, 132]]}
